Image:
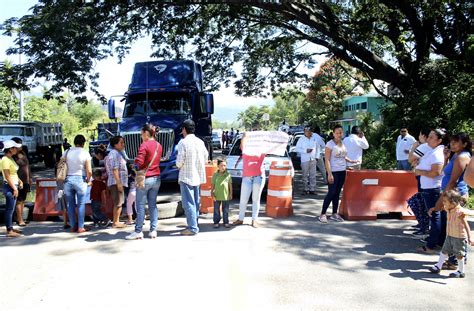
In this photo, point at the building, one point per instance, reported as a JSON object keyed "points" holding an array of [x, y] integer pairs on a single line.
{"points": [[355, 106]]}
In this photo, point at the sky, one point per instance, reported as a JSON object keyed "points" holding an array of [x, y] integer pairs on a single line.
{"points": [[114, 77]]}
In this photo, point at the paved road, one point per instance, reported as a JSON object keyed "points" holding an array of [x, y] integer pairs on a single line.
{"points": [[287, 264]]}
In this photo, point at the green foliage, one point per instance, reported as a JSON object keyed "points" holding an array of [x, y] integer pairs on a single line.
{"points": [[445, 101], [379, 159], [251, 118], [86, 114], [8, 105], [387, 40], [330, 85], [220, 125], [289, 107]]}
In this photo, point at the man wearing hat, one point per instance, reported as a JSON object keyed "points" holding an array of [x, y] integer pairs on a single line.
{"points": [[191, 162], [11, 184], [308, 148]]}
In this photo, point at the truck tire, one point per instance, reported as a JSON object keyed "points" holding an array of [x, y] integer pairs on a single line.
{"points": [[169, 209]]}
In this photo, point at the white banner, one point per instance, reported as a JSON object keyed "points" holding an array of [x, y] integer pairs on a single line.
{"points": [[265, 142]]}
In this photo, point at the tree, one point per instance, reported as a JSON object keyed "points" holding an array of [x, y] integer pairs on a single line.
{"points": [[86, 114], [389, 40], [330, 85], [288, 107], [251, 118], [8, 105]]}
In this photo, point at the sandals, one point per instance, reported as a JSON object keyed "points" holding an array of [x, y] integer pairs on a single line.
{"points": [[119, 225]]}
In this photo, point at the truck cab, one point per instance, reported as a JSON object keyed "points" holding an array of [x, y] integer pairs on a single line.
{"points": [[164, 93], [25, 133]]}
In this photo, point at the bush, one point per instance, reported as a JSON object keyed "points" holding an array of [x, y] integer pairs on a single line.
{"points": [[379, 158]]}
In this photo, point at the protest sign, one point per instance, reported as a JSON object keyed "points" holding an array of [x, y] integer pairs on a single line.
{"points": [[265, 142]]}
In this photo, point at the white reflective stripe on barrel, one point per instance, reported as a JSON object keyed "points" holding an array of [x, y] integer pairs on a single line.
{"points": [[206, 193], [280, 172], [282, 194]]}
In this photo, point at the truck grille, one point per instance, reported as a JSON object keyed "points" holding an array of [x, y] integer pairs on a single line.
{"points": [[165, 137]]}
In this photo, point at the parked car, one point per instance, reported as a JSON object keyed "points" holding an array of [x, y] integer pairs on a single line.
{"points": [[216, 140], [236, 172], [295, 156]]}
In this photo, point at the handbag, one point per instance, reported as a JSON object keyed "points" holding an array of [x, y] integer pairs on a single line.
{"points": [[141, 174], [61, 172]]}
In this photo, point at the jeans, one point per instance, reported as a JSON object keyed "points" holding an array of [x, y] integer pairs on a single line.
{"points": [[147, 194], [225, 211], [403, 165], [97, 215], [10, 206], [437, 219], [251, 185], [334, 191], [191, 201], [75, 189], [308, 170]]}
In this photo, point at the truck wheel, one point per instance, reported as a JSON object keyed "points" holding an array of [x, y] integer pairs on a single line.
{"points": [[169, 209]]}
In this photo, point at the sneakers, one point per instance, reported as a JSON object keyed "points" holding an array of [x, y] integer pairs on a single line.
{"points": [[152, 235], [419, 232], [458, 275], [323, 219], [12, 234], [187, 232], [216, 226], [134, 236], [227, 225], [255, 224], [434, 269], [238, 222], [337, 218]]}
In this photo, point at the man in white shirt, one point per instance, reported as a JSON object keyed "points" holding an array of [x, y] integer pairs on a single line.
{"points": [[404, 144], [308, 148], [320, 157], [191, 162], [355, 144]]}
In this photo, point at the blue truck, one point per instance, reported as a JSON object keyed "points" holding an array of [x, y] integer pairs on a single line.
{"points": [[164, 93]]}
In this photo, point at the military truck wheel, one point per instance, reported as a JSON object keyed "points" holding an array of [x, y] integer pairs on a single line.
{"points": [[169, 209]]}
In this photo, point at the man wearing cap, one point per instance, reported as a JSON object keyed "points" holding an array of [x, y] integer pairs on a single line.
{"points": [[191, 162], [308, 148], [11, 184]]}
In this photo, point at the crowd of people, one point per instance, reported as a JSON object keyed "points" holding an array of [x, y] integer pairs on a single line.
{"points": [[442, 164]]}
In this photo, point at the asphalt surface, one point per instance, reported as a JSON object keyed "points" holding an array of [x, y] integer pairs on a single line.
{"points": [[291, 263]]}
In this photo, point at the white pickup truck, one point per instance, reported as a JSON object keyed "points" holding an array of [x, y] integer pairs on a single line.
{"points": [[43, 141]]}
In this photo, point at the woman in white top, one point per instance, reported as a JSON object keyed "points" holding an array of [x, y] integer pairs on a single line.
{"points": [[336, 158], [79, 173], [430, 169]]}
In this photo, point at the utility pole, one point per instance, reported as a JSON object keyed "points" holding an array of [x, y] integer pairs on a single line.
{"points": [[22, 112]]}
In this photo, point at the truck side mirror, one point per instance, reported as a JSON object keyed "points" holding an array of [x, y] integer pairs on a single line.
{"points": [[111, 105], [207, 103]]}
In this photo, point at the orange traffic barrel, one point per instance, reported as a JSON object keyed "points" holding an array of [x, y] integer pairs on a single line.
{"points": [[370, 192], [207, 201], [280, 190]]}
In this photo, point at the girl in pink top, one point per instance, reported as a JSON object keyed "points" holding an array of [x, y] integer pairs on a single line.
{"points": [[253, 182]]}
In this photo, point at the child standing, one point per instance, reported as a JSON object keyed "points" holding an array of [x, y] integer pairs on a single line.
{"points": [[457, 232], [98, 186], [222, 193], [132, 195]]}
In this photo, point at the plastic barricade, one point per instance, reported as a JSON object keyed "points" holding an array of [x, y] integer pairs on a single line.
{"points": [[207, 201], [369, 192], [45, 199], [280, 190]]}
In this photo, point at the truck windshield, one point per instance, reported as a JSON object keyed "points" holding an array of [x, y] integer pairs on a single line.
{"points": [[157, 103], [12, 131]]}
